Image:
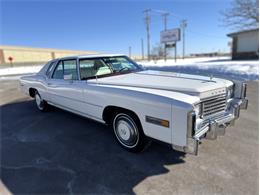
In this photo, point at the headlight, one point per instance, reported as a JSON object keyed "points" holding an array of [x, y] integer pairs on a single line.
{"points": [[230, 92], [197, 109]]}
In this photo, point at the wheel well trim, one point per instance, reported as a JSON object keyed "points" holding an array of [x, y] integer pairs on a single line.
{"points": [[107, 118]]}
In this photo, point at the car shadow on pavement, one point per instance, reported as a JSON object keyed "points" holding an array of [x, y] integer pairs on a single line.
{"points": [[61, 153]]}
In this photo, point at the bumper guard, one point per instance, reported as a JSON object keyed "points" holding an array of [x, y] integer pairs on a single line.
{"points": [[215, 127]]}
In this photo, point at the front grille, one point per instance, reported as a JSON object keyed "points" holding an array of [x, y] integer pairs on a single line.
{"points": [[214, 105]]}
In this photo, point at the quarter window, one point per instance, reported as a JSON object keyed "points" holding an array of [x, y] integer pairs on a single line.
{"points": [[50, 68]]}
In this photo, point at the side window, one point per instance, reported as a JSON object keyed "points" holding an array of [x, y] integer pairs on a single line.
{"points": [[66, 67], [70, 68], [93, 67]]}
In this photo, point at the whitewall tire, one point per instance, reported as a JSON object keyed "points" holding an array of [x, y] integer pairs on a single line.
{"points": [[40, 103], [128, 132]]}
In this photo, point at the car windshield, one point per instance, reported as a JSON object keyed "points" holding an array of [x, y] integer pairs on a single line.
{"points": [[121, 63], [106, 66]]}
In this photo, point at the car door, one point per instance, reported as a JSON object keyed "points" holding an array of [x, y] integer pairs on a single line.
{"points": [[64, 87], [91, 68]]}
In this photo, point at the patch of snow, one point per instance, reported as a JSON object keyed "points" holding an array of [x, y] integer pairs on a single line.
{"points": [[19, 70], [217, 66]]}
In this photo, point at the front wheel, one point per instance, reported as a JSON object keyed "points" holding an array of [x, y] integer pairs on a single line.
{"points": [[40, 103], [128, 132]]}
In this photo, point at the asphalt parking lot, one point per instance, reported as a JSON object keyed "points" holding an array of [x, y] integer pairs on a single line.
{"points": [[61, 153]]}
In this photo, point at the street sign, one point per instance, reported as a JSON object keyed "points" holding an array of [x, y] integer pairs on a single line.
{"points": [[172, 35], [10, 58]]}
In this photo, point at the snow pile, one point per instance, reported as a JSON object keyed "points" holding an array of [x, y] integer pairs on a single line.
{"points": [[19, 70], [217, 66], [211, 66]]}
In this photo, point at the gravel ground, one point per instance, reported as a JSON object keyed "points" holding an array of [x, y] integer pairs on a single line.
{"points": [[61, 153]]}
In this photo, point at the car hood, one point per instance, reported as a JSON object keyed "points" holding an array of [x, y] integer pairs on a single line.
{"points": [[189, 84]]}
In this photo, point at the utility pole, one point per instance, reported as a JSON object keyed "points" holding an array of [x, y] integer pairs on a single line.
{"points": [[183, 26], [175, 51], [147, 22], [129, 51], [165, 15], [142, 46]]}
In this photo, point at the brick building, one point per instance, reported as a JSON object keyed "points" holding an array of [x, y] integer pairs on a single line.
{"points": [[245, 44]]}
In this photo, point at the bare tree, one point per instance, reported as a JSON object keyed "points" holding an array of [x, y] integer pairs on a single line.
{"points": [[242, 14]]}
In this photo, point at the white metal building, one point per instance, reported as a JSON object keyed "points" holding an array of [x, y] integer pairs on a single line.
{"points": [[245, 44]]}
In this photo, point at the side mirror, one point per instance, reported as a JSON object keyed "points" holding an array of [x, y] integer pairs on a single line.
{"points": [[67, 77]]}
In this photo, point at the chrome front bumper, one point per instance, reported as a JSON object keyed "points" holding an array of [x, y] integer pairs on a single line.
{"points": [[214, 126]]}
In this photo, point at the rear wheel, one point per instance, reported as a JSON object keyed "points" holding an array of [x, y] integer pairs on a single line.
{"points": [[40, 103], [128, 132]]}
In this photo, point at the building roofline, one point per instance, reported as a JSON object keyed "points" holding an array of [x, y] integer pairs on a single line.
{"points": [[243, 31], [26, 48]]}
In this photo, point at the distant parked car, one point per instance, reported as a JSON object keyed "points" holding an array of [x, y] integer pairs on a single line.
{"points": [[179, 109]]}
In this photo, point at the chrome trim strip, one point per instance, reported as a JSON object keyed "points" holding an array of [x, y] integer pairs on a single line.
{"points": [[243, 90], [225, 119], [244, 104], [215, 96], [201, 132], [191, 119]]}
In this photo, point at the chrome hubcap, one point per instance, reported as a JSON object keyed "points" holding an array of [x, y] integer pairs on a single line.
{"points": [[126, 130]]}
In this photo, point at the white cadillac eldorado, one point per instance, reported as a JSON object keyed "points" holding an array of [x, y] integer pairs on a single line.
{"points": [[179, 109]]}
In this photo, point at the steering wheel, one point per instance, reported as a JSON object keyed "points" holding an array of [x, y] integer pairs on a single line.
{"points": [[123, 69]]}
